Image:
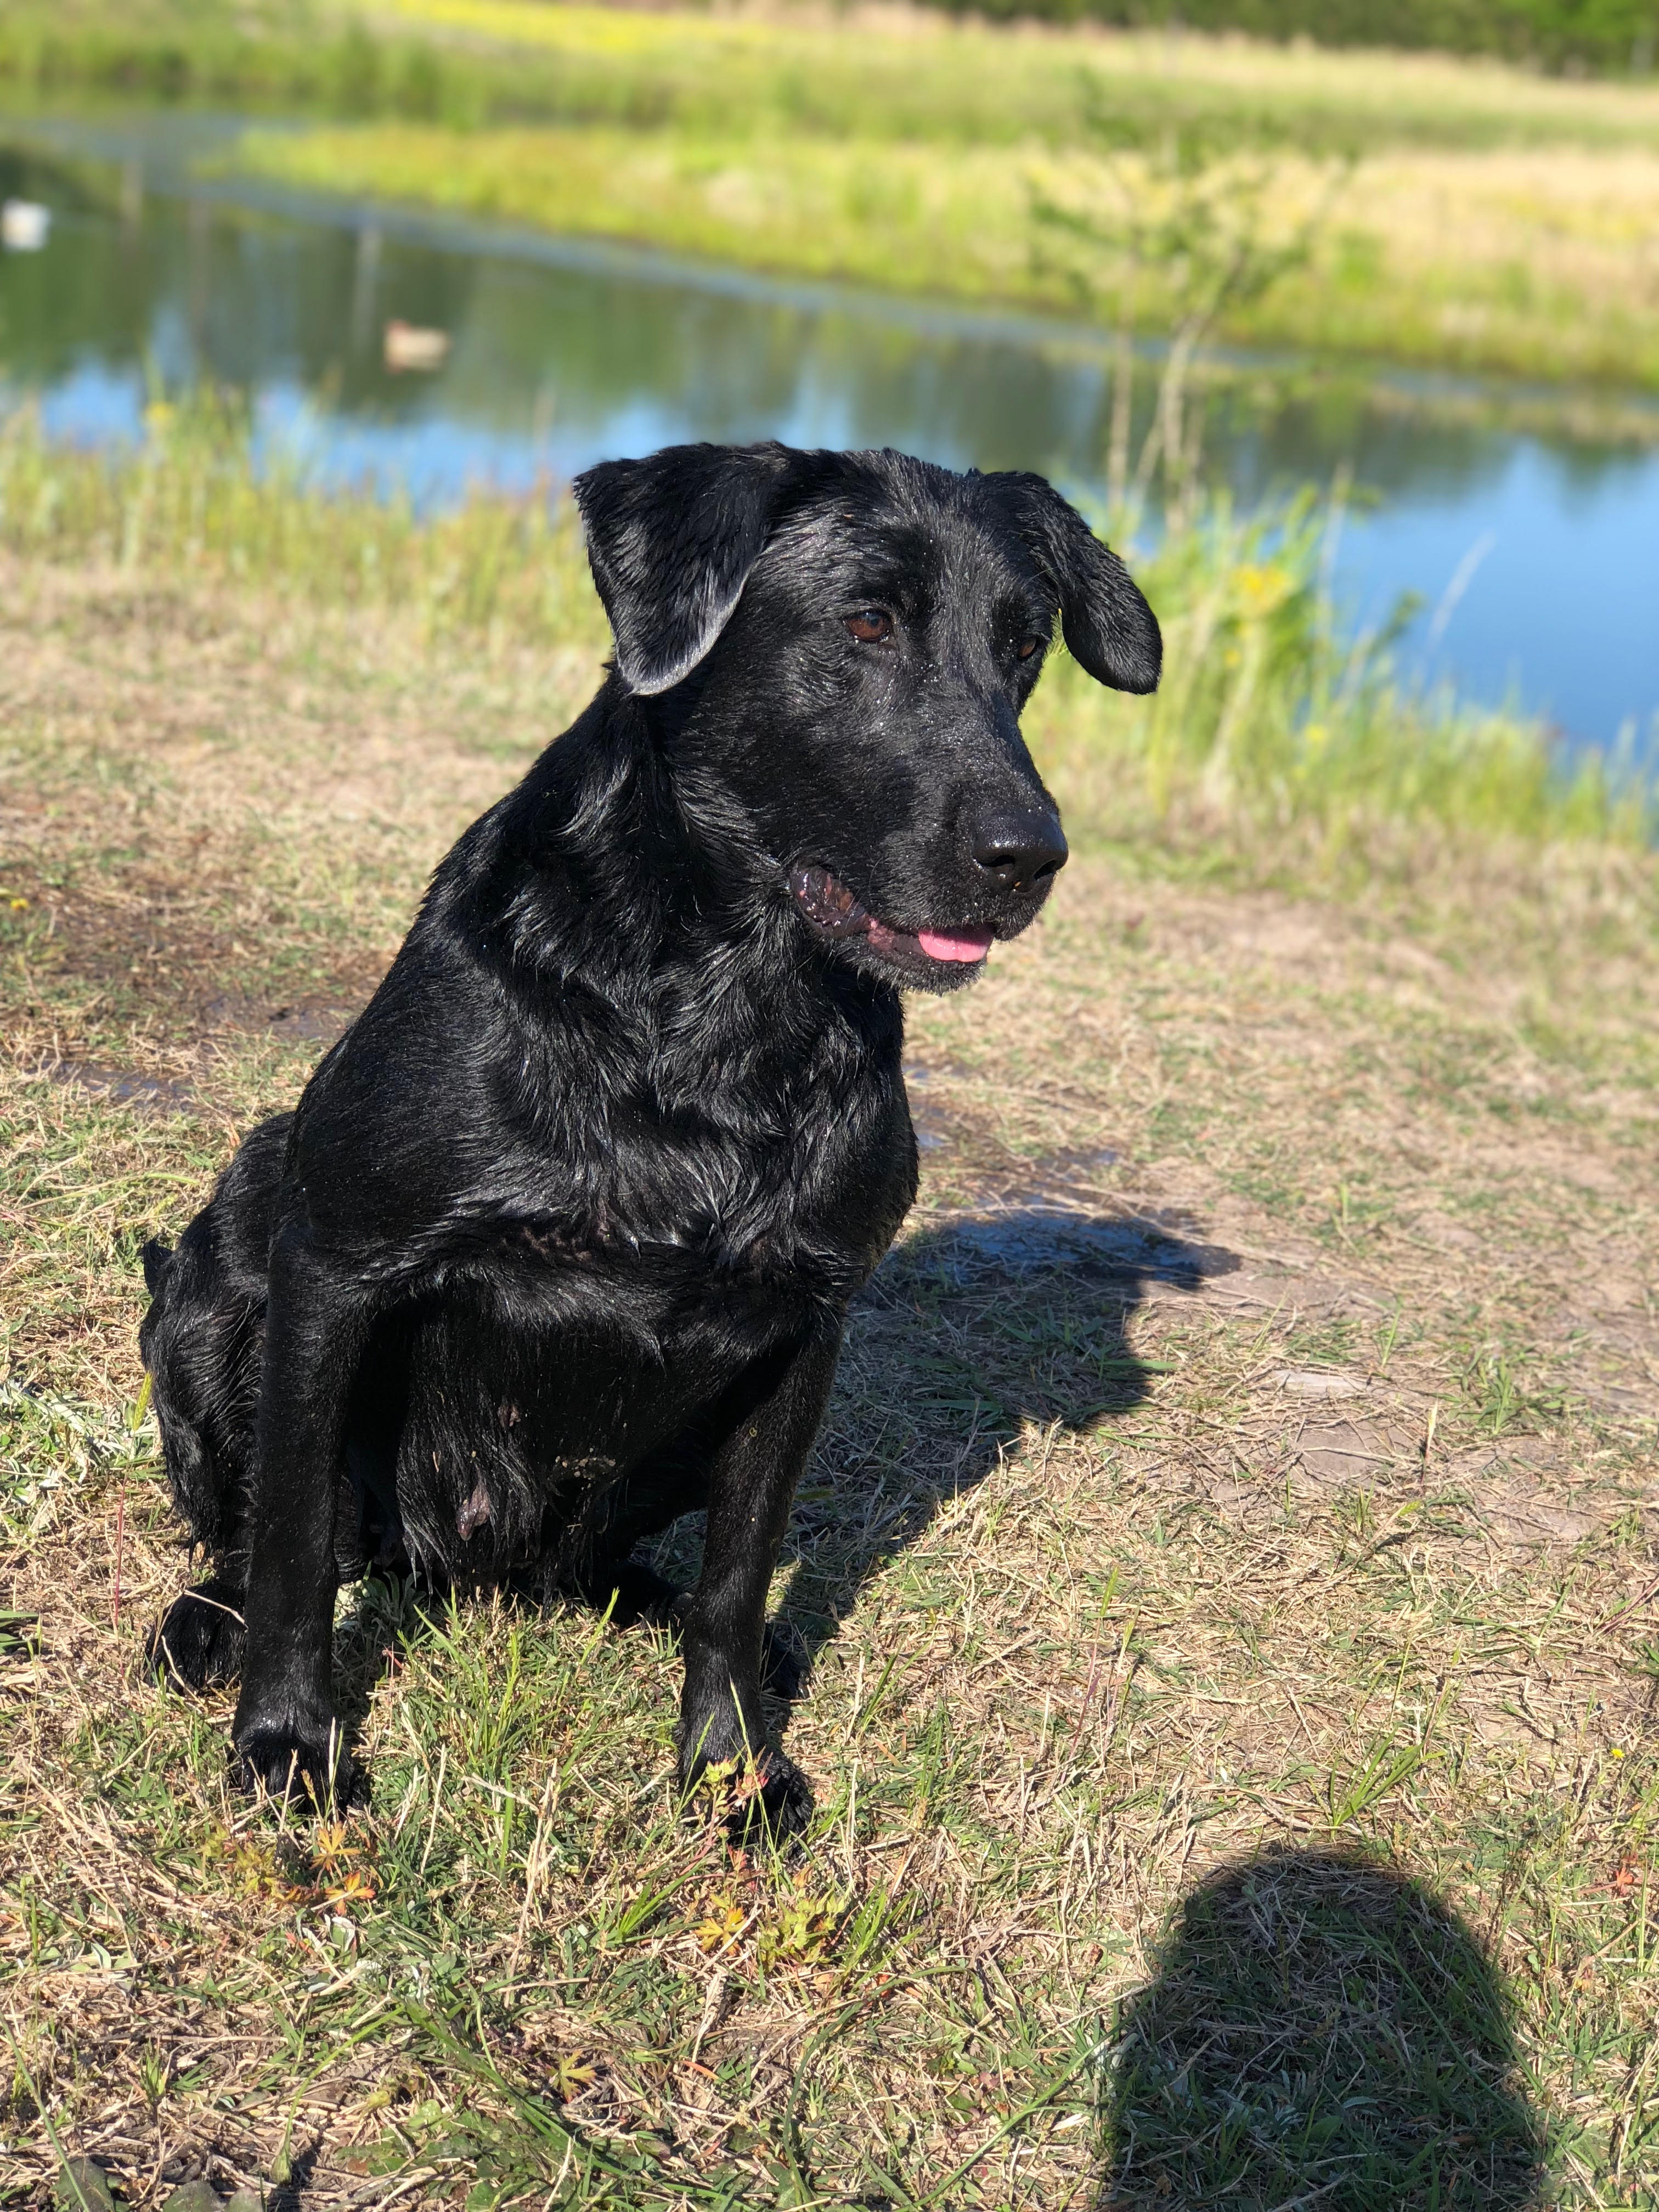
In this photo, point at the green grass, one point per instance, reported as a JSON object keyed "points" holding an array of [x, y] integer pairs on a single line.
{"points": [[188, 500], [1269, 712], [1231, 1715], [469, 61]]}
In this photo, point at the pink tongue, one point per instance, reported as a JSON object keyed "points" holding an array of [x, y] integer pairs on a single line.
{"points": [[971, 944]]}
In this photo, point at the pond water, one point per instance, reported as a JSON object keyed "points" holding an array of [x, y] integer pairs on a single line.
{"points": [[1535, 553]]}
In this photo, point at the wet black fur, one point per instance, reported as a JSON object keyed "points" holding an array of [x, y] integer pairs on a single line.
{"points": [[558, 1243]]}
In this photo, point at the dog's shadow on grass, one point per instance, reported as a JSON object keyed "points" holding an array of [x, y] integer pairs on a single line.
{"points": [[1319, 2030], [975, 1327]]}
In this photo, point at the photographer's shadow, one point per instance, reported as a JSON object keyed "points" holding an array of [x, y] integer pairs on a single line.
{"points": [[975, 1327], [1319, 2031]]}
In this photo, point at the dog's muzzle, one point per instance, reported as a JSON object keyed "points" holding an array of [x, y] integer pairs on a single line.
{"points": [[830, 905]]}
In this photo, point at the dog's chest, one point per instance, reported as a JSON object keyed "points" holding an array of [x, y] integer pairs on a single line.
{"points": [[710, 1240], [785, 1187], [744, 1174]]}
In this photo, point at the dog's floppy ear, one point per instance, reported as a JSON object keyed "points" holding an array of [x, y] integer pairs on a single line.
{"points": [[1108, 624], [671, 540]]}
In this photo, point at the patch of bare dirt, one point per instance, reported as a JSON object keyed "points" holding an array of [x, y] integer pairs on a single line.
{"points": [[1317, 1432], [145, 1094]]}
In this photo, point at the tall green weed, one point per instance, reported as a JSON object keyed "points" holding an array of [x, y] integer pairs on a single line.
{"points": [[1275, 712]]}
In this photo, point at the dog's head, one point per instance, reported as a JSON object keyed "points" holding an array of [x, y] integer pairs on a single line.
{"points": [[842, 644]]}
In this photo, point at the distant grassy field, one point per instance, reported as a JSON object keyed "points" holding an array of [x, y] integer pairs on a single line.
{"points": [[483, 61], [1540, 262], [1462, 214], [847, 72], [1230, 1564]]}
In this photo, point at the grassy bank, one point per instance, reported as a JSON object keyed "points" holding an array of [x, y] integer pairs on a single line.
{"points": [[1615, 35], [1228, 1566], [479, 60], [906, 74], [1527, 262], [1471, 215]]}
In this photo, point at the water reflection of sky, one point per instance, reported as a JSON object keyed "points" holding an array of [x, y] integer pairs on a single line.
{"points": [[1562, 603], [562, 354]]}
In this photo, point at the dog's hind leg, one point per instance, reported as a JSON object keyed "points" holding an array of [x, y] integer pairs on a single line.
{"points": [[634, 1595], [200, 1638], [599, 1568], [200, 1342]]}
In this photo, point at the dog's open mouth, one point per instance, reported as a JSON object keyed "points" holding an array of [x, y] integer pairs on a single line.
{"points": [[832, 908]]}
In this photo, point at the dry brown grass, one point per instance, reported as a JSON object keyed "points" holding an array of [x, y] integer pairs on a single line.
{"points": [[1229, 1564]]}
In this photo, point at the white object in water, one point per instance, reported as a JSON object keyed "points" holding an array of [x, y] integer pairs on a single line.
{"points": [[408, 346], [23, 226]]}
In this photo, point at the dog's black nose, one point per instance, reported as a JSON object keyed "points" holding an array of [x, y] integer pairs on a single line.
{"points": [[1020, 851]]}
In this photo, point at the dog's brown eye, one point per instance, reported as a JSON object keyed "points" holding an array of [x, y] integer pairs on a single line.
{"points": [[870, 626], [1028, 646]]}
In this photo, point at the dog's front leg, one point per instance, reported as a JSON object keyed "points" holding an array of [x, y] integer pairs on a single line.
{"points": [[752, 1483], [285, 1731]]}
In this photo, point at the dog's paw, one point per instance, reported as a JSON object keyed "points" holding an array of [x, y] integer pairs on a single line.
{"points": [[784, 1667], [763, 1801], [299, 1766], [200, 1639], [773, 1805]]}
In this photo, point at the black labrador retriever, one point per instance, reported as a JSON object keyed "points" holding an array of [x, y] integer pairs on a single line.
{"points": [[558, 1244]]}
